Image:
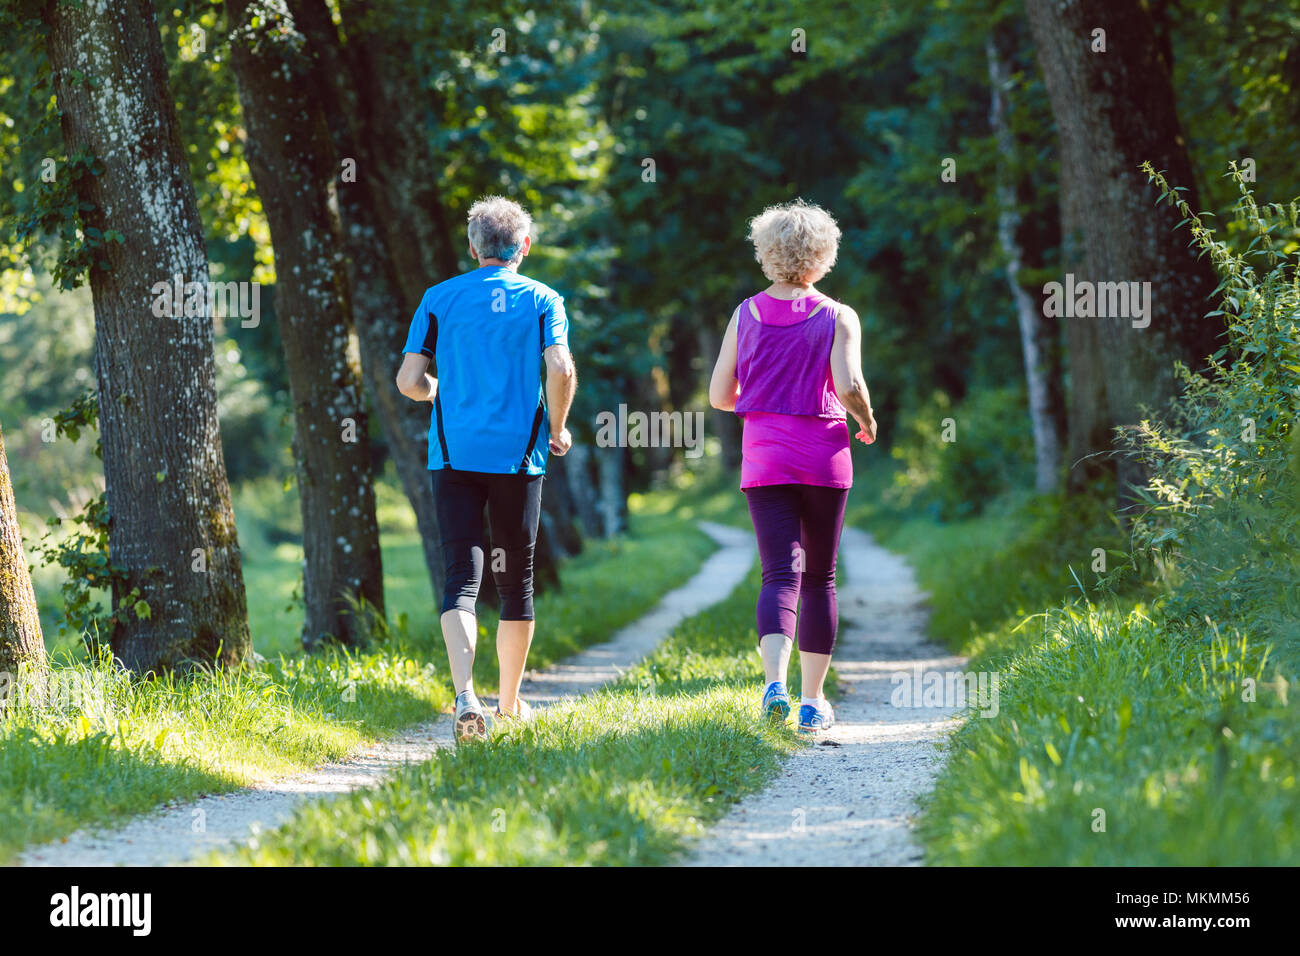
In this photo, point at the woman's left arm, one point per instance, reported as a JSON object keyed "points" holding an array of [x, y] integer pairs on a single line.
{"points": [[724, 389]]}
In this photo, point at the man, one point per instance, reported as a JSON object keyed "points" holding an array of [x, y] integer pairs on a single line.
{"points": [[488, 332]]}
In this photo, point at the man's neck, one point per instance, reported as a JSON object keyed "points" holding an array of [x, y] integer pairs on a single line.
{"points": [[484, 263]]}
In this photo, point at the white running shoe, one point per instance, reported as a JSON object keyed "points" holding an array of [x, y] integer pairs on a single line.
{"points": [[471, 723]]}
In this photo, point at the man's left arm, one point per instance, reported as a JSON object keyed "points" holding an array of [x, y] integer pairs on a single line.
{"points": [[561, 375]]}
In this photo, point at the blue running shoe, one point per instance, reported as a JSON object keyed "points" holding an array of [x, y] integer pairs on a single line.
{"points": [[815, 717], [776, 703]]}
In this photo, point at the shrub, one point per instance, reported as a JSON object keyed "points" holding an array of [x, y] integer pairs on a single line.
{"points": [[956, 459], [1222, 503]]}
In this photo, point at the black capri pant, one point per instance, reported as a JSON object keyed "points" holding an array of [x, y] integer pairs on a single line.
{"points": [[514, 505]]}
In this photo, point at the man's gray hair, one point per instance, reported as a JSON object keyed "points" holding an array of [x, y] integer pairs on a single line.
{"points": [[498, 227]]}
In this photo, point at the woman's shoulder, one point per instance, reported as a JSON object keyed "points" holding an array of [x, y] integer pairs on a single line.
{"points": [[844, 314]]}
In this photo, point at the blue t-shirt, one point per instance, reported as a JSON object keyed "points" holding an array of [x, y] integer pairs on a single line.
{"points": [[485, 331]]}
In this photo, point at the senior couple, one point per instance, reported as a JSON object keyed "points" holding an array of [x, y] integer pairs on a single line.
{"points": [[789, 365]]}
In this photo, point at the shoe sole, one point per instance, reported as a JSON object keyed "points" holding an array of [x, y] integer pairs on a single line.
{"points": [[470, 726], [803, 729], [777, 711]]}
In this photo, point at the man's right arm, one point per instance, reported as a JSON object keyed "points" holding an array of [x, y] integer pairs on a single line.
{"points": [[561, 386], [414, 380]]}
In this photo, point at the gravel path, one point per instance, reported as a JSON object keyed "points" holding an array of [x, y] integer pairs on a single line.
{"points": [[850, 799], [182, 832]]}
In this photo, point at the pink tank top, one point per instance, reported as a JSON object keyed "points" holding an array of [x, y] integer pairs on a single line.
{"points": [[795, 429]]}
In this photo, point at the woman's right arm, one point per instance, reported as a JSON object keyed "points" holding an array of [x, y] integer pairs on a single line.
{"points": [[724, 389], [846, 370]]}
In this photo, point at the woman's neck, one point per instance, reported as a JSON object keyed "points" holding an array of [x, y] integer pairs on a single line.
{"points": [[791, 290]]}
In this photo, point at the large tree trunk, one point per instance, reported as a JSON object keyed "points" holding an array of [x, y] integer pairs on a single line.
{"points": [[1115, 110], [379, 308], [385, 71], [291, 157], [171, 527], [22, 648], [1037, 332]]}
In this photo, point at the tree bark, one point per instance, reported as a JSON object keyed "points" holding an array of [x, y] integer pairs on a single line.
{"points": [[378, 305], [384, 69], [559, 510], [610, 463], [1114, 110], [291, 157], [1037, 332], [171, 526], [579, 473], [22, 647]]}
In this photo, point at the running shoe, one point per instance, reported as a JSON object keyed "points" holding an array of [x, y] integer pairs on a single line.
{"points": [[815, 716], [776, 702], [471, 724], [522, 711]]}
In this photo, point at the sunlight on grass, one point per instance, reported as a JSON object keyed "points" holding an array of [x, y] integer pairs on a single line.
{"points": [[1108, 721], [116, 746], [627, 775]]}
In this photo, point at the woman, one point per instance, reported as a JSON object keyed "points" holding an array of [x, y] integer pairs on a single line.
{"points": [[790, 367]]}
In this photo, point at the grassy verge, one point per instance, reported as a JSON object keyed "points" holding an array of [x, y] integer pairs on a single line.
{"points": [[110, 746], [1119, 739], [1122, 742], [625, 775]]}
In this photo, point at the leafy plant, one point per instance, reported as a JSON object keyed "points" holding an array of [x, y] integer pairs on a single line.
{"points": [[1222, 516]]}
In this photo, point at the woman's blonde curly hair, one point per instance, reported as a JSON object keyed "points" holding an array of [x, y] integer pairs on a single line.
{"points": [[795, 242]]}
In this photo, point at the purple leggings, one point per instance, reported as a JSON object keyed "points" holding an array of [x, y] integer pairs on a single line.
{"points": [[798, 531]]}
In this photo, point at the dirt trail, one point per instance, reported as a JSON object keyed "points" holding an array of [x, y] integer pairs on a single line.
{"points": [[178, 833], [849, 801]]}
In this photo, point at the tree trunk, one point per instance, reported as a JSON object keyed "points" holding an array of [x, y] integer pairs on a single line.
{"points": [[1037, 332], [378, 307], [1114, 110], [291, 158], [579, 473], [612, 502], [171, 527], [22, 648], [559, 510], [408, 203]]}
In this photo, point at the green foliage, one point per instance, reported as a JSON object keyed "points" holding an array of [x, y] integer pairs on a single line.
{"points": [[58, 213], [78, 545], [1223, 502], [956, 459], [1172, 722]]}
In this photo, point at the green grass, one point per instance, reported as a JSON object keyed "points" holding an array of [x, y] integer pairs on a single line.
{"points": [[1108, 712], [111, 745], [987, 574], [126, 745], [1103, 704], [626, 775]]}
